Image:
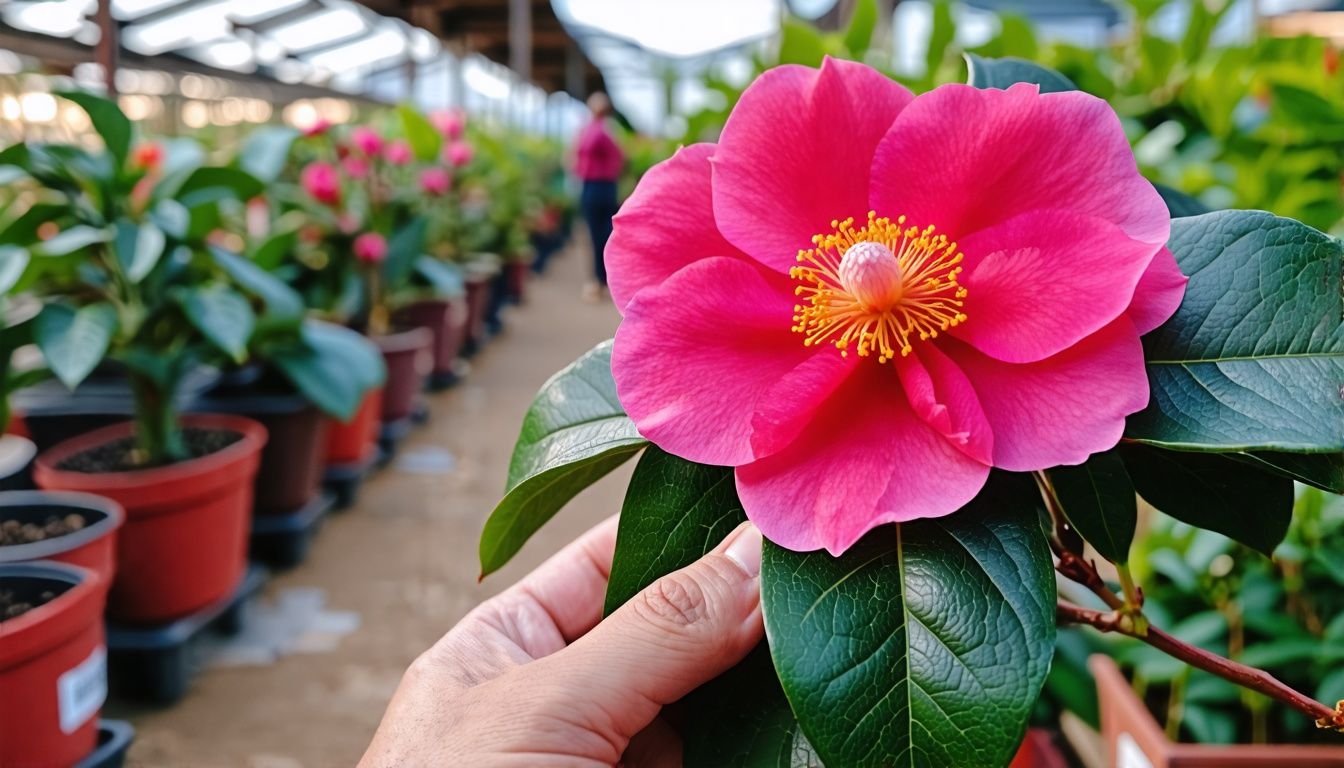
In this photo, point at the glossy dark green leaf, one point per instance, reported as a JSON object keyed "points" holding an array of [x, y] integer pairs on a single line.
{"points": [[742, 719], [1319, 470], [282, 302], [425, 140], [1179, 203], [266, 151], [332, 366], [675, 511], [212, 184], [1214, 492], [405, 246], [138, 248], [575, 433], [74, 341], [222, 316], [1001, 73], [1098, 499], [75, 238], [107, 119], [926, 644], [1254, 357]]}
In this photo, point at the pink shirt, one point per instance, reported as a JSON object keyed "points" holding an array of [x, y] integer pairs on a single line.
{"points": [[599, 157]]}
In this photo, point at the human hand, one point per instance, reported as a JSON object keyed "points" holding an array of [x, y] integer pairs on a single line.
{"points": [[530, 678]]}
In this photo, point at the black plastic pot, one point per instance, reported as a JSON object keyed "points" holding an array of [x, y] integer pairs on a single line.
{"points": [[114, 740]]}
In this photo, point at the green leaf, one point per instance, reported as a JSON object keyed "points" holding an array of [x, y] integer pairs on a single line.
{"points": [[266, 151], [212, 184], [403, 248], [222, 316], [332, 366], [1331, 688], [275, 250], [742, 719], [1214, 492], [138, 248], [942, 35], [425, 141], [446, 279], [74, 341], [862, 23], [1098, 499], [1281, 652], [1179, 203], [800, 43], [1319, 470], [108, 120], [924, 645], [282, 302], [13, 261], [1254, 357], [1001, 73], [75, 238], [675, 511], [574, 434]]}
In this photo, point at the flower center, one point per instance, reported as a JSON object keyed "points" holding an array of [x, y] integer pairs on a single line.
{"points": [[878, 287]]}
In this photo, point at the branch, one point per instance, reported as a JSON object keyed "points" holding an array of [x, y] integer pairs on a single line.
{"points": [[1247, 677]]}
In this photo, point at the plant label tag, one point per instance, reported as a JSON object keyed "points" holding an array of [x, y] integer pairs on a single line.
{"points": [[1128, 754], [81, 690]]}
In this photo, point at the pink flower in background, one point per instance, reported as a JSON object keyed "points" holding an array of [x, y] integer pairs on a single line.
{"points": [[370, 248], [874, 298], [449, 122], [459, 153], [367, 140], [147, 156], [435, 181], [321, 182], [398, 153], [356, 167], [318, 127]]}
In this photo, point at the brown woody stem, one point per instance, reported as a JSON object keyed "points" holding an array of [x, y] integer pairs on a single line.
{"points": [[1247, 677]]}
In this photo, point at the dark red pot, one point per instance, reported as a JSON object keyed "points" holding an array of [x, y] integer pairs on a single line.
{"points": [[515, 279], [184, 545], [290, 474], [53, 671], [92, 547], [353, 441], [409, 360], [478, 305], [447, 320]]}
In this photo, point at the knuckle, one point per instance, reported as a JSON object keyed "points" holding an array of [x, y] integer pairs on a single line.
{"points": [[677, 600]]}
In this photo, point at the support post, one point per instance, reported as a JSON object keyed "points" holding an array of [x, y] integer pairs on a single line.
{"points": [[109, 44]]}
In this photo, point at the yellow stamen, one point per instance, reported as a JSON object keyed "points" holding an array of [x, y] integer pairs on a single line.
{"points": [[872, 305]]}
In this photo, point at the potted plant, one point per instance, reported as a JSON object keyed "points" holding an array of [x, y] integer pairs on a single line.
{"points": [[1284, 617], [128, 277], [52, 662]]}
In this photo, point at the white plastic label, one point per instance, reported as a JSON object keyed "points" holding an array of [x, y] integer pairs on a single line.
{"points": [[81, 691], [1128, 754]]}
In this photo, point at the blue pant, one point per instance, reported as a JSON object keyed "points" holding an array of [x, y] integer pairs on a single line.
{"points": [[598, 204]]}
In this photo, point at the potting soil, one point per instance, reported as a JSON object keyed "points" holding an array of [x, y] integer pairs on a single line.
{"points": [[17, 532], [12, 607], [118, 455]]}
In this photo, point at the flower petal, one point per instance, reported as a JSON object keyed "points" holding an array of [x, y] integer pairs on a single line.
{"points": [[1042, 281], [944, 398], [866, 459], [1158, 294], [796, 152], [694, 355], [964, 159], [778, 419], [1062, 409], [667, 223]]}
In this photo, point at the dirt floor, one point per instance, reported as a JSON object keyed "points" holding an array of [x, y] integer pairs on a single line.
{"points": [[403, 559]]}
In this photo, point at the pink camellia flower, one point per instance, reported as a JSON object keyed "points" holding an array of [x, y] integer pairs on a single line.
{"points": [[435, 181], [873, 298], [356, 166], [459, 153], [398, 153], [367, 140], [370, 248], [449, 122], [321, 182]]}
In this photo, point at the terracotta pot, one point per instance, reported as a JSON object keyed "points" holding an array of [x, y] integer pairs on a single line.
{"points": [[1040, 749], [92, 547], [409, 361], [353, 441], [447, 320], [1135, 740], [290, 474], [184, 545], [53, 667], [515, 280]]}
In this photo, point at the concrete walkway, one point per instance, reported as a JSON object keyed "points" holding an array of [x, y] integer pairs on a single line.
{"points": [[403, 559]]}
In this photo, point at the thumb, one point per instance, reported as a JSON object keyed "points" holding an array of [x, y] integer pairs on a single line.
{"points": [[682, 631]]}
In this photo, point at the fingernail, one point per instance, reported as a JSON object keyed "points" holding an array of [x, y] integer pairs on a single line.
{"points": [[744, 548]]}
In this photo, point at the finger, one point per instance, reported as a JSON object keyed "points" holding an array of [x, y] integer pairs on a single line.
{"points": [[679, 633], [571, 586]]}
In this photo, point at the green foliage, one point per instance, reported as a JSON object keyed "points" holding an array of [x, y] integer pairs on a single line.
{"points": [[1097, 496]]}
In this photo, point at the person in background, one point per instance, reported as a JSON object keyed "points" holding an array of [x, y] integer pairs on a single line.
{"points": [[598, 162]]}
